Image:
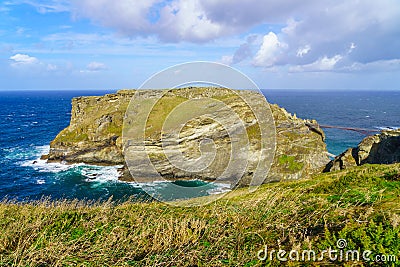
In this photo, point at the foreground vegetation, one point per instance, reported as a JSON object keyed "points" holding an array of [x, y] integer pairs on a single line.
{"points": [[359, 205]]}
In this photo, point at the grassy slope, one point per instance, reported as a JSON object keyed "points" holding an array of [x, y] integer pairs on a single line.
{"points": [[360, 205]]}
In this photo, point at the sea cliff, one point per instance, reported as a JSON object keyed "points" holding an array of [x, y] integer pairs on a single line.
{"points": [[94, 136]]}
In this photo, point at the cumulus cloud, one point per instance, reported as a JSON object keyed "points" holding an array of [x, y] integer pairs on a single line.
{"points": [[325, 37], [186, 20], [270, 51], [313, 31], [171, 21], [366, 29], [18, 60], [96, 66]]}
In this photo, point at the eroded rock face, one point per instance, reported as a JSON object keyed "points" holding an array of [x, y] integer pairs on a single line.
{"points": [[381, 148], [300, 149], [95, 136]]}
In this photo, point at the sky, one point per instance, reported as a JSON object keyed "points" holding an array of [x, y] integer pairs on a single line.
{"points": [[280, 44]]}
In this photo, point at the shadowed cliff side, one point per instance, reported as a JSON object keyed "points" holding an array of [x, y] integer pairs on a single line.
{"points": [[94, 135]]}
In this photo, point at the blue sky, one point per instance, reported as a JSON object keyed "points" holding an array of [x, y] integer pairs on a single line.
{"points": [[280, 44]]}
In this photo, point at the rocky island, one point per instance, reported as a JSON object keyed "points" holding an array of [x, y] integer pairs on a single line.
{"points": [[94, 135]]}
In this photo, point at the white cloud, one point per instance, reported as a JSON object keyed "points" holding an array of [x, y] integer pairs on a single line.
{"points": [[269, 51], [313, 31], [30, 64], [368, 25], [328, 36], [126, 16], [322, 64], [186, 20], [383, 65], [323, 25], [23, 60], [171, 21], [352, 47], [303, 50], [96, 66]]}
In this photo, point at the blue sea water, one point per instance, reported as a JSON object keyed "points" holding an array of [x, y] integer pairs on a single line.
{"points": [[356, 109], [31, 119]]}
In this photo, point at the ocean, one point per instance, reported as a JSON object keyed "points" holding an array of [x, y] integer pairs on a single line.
{"points": [[31, 119]]}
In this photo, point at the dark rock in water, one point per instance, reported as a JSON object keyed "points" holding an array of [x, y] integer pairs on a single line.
{"points": [[381, 148], [34, 162], [94, 135], [92, 176]]}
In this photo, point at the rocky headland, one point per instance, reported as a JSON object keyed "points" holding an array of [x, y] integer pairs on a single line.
{"points": [[383, 148], [94, 135]]}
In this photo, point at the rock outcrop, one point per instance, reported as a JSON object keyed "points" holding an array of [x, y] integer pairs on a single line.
{"points": [[94, 136], [383, 148]]}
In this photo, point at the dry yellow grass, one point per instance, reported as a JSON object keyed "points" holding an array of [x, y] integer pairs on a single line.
{"points": [[361, 206]]}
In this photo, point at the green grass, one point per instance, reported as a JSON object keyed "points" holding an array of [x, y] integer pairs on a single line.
{"points": [[290, 163], [94, 110], [67, 136], [360, 205], [159, 113]]}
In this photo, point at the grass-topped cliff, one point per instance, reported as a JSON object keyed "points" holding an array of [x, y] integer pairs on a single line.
{"points": [[360, 205], [95, 132]]}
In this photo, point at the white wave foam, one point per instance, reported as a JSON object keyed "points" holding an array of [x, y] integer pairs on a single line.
{"points": [[93, 173], [101, 174], [42, 150], [220, 188], [22, 154], [42, 166]]}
